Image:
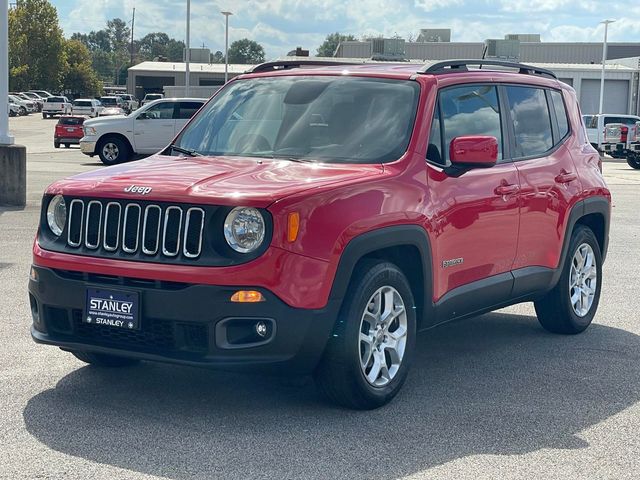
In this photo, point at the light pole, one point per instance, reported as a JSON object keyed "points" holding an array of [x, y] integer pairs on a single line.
{"points": [[5, 138], [226, 45], [604, 62], [187, 53]]}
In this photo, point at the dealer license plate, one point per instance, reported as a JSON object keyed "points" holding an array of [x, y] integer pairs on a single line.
{"points": [[112, 308]]}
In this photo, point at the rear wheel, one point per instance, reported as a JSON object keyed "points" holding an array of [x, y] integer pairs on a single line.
{"points": [[104, 360], [634, 161], [66, 145], [44, 115], [56, 144], [113, 150], [367, 358], [570, 307]]}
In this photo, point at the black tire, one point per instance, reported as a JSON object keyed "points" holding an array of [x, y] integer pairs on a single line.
{"points": [[119, 149], [555, 311], [634, 161], [339, 376], [66, 145], [44, 115], [23, 111], [56, 145], [104, 360]]}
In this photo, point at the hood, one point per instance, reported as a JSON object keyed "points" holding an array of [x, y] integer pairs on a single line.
{"points": [[210, 180], [105, 120]]}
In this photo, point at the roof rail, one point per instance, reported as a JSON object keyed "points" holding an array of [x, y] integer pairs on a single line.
{"points": [[288, 64], [449, 66]]}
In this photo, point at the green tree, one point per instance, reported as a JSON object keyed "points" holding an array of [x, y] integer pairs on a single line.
{"points": [[36, 52], [328, 47], [246, 51], [175, 49], [80, 79], [217, 57], [119, 36]]}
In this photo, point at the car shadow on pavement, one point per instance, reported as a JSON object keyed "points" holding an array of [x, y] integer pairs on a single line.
{"points": [[495, 384]]}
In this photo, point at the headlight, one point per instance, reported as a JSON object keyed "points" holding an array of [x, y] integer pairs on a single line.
{"points": [[244, 229], [89, 130], [57, 214]]}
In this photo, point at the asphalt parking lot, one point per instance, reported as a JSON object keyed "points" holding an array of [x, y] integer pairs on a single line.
{"points": [[491, 397]]}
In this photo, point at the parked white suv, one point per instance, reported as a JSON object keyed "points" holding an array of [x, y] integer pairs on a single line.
{"points": [[56, 106], [145, 131], [86, 106], [130, 101], [150, 97]]}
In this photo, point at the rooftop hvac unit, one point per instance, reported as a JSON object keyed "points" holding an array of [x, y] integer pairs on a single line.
{"points": [[434, 35], [524, 37], [508, 49], [387, 48]]}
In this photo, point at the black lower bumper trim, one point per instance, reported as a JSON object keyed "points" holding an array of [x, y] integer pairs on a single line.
{"points": [[178, 325]]}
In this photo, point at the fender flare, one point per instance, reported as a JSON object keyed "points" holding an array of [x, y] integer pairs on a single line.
{"points": [[582, 208], [386, 237]]}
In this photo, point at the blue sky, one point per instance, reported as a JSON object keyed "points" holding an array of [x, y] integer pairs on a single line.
{"points": [[281, 25]]}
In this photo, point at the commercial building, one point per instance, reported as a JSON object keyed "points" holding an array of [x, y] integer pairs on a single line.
{"points": [[578, 64]]}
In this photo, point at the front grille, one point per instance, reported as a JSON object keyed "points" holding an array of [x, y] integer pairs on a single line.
{"points": [[150, 230]]}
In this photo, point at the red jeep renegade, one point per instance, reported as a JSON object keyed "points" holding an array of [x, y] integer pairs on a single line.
{"points": [[313, 217]]}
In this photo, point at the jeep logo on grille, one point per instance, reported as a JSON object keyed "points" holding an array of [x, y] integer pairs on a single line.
{"points": [[137, 189]]}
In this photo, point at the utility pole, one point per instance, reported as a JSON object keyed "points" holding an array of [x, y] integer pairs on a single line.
{"points": [[187, 53], [604, 62], [5, 138], [133, 19], [226, 45]]}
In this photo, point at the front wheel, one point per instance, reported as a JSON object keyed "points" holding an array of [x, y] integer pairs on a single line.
{"points": [[23, 111], [44, 115], [113, 150], [104, 360], [367, 358], [571, 305], [634, 161]]}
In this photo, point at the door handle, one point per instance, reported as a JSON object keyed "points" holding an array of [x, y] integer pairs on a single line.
{"points": [[506, 189], [565, 177]]}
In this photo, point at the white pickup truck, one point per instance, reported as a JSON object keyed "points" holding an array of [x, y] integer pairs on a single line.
{"points": [[148, 130], [56, 106], [595, 125], [633, 146]]}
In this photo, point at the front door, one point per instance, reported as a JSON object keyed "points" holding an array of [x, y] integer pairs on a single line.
{"points": [[475, 212], [154, 128]]}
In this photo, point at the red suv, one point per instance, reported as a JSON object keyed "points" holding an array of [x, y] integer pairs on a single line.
{"points": [[313, 217], [68, 131]]}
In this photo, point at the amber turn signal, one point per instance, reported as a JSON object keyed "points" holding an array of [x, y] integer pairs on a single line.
{"points": [[247, 296], [293, 225]]}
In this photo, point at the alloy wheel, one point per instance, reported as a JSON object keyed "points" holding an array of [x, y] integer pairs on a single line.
{"points": [[383, 336], [110, 151], [583, 280]]}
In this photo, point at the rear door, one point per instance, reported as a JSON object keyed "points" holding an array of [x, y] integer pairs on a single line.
{"points": [[185, 110], [474, 211], [155, 127], [541, 146]]}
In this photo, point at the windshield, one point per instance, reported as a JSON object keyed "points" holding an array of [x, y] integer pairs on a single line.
{"points": [[82, 103], [325, 119], [109, 100]]}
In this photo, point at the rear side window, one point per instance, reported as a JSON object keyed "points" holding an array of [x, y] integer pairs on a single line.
{"points": [[561, 113], [531, 120], [469, 110], [71, 121], [188, 109]]}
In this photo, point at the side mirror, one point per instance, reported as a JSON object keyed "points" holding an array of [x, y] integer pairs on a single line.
{"points": [[474, 151]]}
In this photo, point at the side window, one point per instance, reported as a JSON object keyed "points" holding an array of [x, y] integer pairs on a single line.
{"points": [[561, 113], [531, 120], [434, 149], [161, 111], [187, 109], [470, 110]]}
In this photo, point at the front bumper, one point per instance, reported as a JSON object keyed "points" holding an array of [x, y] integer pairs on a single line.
{"points": [[180, 323], [88, 147]]}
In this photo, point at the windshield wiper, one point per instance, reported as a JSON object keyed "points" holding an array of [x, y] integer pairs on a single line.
{"points": [[186, 151]]}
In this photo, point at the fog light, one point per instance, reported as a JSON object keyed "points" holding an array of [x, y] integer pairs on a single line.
{"points": [[247, 296], [261, 329]]}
